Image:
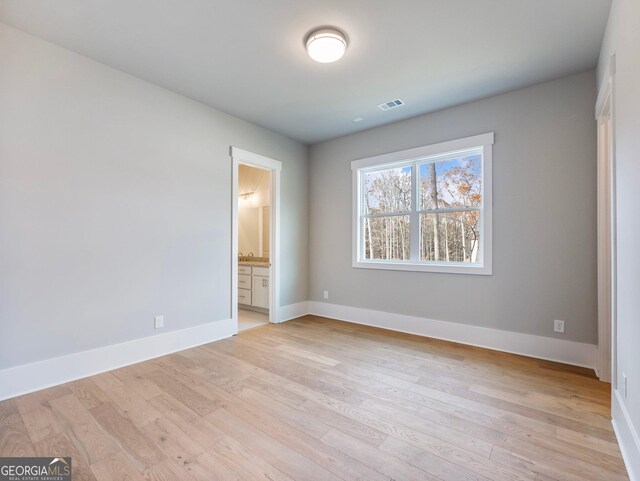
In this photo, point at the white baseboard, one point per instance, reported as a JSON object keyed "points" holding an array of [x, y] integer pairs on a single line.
{"points": [[628, 438], [18, 380], [567, 352], [293, 311]]}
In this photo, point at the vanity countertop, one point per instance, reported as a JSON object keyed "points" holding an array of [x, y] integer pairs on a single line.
{"points": [[254, 263]]}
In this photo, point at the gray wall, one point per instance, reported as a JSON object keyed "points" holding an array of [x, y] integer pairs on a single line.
{"points": [[115, 204], [622, 39], [544, 211]]}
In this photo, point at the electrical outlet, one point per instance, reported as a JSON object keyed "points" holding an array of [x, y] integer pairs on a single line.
{"points": [[159, 322], [326, 294], [558, 326], [624, 385]]}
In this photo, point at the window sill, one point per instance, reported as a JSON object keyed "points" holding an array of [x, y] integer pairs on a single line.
{"points": [[481, 270]]}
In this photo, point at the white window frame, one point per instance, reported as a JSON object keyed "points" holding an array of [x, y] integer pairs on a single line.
{"points": [[421, 154]]}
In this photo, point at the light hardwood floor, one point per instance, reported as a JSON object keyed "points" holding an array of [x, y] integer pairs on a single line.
{"points": [[317, 399], [248, 319]]}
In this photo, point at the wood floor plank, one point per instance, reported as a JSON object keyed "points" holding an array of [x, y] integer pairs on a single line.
{"points": [[389, 425], [57, 445], [91, 441], [282, 456], [319, 358], [380, 461], [187, 455], [136, 382], [320, 399], [40, 421], [88, 393], [477, 440], [182, 393], [116, 467], [9, 413], [173, 441], [168, 471], [136, 407], [316, 411], [504, 433], [606, 447], [519, 439], [128, 437], [14, 438], [439, 467], [306, 424], [291, 434], [224, 451], [244, 462]]}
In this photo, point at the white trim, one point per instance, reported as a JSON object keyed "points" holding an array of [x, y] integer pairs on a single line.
{"points": [[256, 160], [609, 75], [235, 177], [627, 436], [425, 151], [450, 268], [412, 157], [607, 256], [293, 311], [239, 156], [551, 349], [18, 380]]}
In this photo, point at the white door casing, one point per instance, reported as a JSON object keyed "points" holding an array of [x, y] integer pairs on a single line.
{"points": [[607, 311], [240, 156]]}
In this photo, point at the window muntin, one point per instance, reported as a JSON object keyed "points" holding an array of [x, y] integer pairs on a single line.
{"points": [[425, 212]]}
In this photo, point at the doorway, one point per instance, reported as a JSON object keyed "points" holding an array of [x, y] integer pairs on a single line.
{"points": [[255, 239]]}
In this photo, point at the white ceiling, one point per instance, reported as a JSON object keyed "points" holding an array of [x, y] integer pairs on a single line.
{"points": [[246, 57]]}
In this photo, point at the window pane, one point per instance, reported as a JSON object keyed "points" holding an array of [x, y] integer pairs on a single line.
{"points": [[450, 237], [386, 238], [451, 183], [387, 191]]}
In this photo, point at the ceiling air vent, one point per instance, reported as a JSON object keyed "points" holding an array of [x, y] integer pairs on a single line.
{"points": [[391, 104]]}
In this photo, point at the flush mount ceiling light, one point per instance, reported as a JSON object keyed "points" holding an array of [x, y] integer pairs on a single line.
{"points": [[326, 45]]}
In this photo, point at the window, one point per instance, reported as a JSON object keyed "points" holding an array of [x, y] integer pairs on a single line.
{"points": [[425, 209]]}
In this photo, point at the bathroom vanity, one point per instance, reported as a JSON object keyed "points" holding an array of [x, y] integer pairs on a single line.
{"points": [[253, 284]]}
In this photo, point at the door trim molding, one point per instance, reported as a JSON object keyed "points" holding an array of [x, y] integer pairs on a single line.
{"points": [[606, 367], [240, 156]]}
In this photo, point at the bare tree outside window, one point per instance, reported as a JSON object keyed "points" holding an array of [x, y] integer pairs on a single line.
{"points": [[387, 202], [449, 202]]}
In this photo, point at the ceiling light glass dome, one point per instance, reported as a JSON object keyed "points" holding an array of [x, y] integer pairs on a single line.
{"points": [[326, 45]]}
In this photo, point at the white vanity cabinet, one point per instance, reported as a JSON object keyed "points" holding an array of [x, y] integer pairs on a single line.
{"points": [[253, 286], [244, 285], [260, 287]]}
